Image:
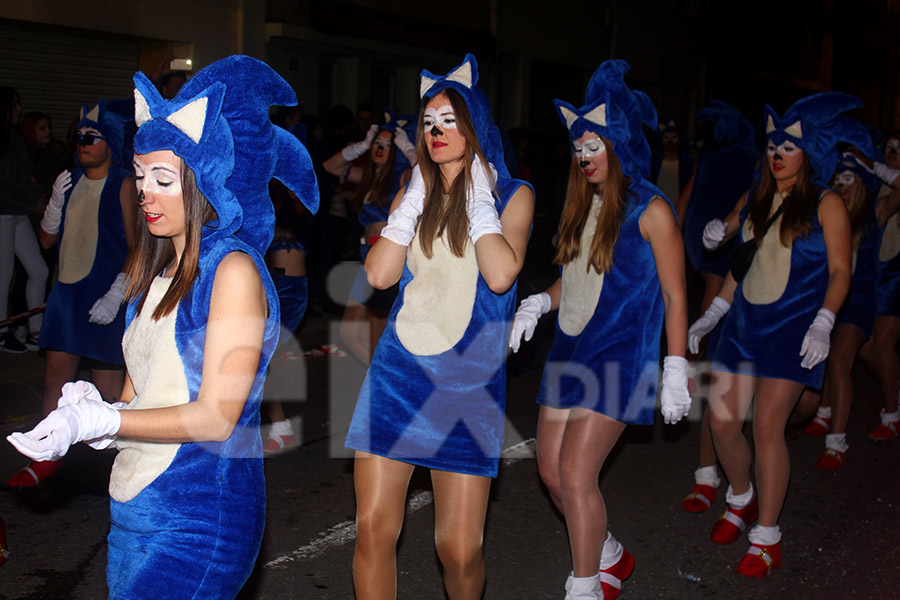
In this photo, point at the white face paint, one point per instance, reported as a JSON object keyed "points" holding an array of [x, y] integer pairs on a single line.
{"points": [[845, 178], [442, 116], [157, 178], [382, 142], [786, 149], [893, 145], [589, 148]]}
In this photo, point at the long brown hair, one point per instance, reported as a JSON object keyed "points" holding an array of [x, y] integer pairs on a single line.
{"points": [[859, 206], [376, 181], [799, 204], [577, 208], [151, 254], [439, 216]]}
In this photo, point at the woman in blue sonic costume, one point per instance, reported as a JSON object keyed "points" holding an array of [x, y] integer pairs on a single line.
{"points": [[435, 391], [187, 488], [389, 167], [776, 335], [622, 281]]}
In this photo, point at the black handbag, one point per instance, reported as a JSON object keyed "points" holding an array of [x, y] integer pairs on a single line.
{"points": [[740, 260]]}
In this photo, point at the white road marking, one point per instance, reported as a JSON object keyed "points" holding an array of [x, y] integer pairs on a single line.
{"points": [[345, 532]]}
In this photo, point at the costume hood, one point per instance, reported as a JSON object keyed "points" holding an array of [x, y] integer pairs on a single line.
{"points": [[730, 126], [104, 120]]}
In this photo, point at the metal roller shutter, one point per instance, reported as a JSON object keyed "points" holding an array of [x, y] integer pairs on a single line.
{"points": [[56, 69]]}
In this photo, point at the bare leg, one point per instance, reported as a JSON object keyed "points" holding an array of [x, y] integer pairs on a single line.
{"points": [[109, 383], [550, 429], [275, 411], [355, 330], [884, 356], [837, 390], [707, 448], [381, 485], [775, 398], [730, 396], [588, 439], [806, 407], [460, 509], [60, 368]]}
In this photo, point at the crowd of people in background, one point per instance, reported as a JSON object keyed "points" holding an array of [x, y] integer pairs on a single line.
{"points": [[778, 242]]}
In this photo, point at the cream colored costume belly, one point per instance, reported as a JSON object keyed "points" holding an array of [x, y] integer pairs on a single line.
{"points": [[581, 284], [890, 241], [768, 276], [78, 247], [157, 373], [438, 302]]}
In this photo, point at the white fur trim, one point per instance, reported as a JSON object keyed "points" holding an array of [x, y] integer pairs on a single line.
{"points": [[597, 115], [93, 114], [794, 130], [568, 115], [462, 75], [190, 119], [425, 85], [141, 109]]}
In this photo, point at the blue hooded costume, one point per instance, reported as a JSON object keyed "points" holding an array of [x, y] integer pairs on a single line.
{"points": [[93, 248], [373, 212], [435, 392], [784, 288], [187, 519], [723, 175], [605, 354]]}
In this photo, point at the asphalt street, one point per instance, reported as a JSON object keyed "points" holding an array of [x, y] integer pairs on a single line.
{"points": [[840, 529]]}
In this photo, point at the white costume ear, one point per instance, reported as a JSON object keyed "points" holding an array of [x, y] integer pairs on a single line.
{"points": [[402, 123], [462, 75], [568, 115], [387, 117], [770, 125], [141, 109], [93, 114], [661, 127], [597, 115], [190, 118], [425, 85], [794, 130], [81, 112]]}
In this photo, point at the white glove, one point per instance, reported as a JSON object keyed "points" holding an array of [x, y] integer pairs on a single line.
{"points": [[74, 391], [526, 318], [482, 213], [405, 146], [706, 323], [817, 341], [401, 224], [84, 419], [674, 398], [713, 234], [53, 213], [105, 309], [886, 174], [354, 151]]}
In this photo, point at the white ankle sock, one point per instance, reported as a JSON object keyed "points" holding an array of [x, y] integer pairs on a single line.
{"points": [[890, 417], [281, 428], [739, 501], [611, 553], [765, 536], [837, 441], [707, 476], [824, 412]]}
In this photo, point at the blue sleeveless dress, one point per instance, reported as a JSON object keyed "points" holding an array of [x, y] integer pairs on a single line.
{"points": [[859, 307], [66, 327], [605, 356], [888, 268], [774, 306], [435, 392]]}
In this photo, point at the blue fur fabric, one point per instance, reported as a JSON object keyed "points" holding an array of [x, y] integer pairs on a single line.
{"points": [[723, 175], [612, 365], [447, 410], [195, 531]]}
